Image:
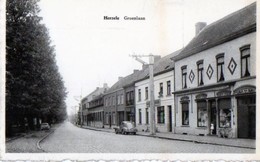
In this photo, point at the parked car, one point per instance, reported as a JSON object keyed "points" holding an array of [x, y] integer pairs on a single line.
{"points": [[45, 126], [126, 127]]}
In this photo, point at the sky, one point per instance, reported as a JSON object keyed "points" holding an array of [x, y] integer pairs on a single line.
{"points": [[91, 51]]}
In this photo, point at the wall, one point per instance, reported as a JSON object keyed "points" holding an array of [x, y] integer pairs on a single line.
{"points": [[165, 101], [231, 50]]}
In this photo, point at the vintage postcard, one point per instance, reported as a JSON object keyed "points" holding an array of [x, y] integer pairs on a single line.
{"points": [[140, 80]]}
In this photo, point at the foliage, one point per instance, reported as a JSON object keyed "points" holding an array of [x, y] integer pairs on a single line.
{"points": [[34, 86]]}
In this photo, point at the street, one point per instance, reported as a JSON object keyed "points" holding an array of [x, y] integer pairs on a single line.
{"points": [[70, 139]]}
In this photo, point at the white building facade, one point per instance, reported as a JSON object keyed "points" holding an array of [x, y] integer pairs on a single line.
{"points": [[216, 79], [164, 99]]}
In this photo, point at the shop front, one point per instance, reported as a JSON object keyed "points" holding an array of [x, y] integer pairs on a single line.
{"points": [[222, 112]]}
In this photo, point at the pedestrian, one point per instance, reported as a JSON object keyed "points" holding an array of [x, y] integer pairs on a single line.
{"points": [[211, 128]]}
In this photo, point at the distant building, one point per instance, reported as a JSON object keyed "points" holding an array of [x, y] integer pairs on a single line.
{"points": [[215, 78], [119, 101], [92, 106]]}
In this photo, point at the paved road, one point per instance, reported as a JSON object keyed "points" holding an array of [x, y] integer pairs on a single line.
{"points": [[71, 139]]}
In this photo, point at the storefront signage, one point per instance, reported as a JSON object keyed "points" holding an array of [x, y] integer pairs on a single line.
{"points": [[201, 96], [245, 90], [156, 103], [223, 93]]}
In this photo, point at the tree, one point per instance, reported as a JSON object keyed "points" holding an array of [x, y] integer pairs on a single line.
{"points": [[34, 86]]}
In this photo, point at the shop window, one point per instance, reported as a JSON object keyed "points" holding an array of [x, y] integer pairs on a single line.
{"points": [[200, 72], [168, 88], [184, 76], [245, 61], [146, 93], [139, 94], [202, 113], [147, 115], [185, 113], [220, 67], [140, 116], [160, 115], [224, 113]]}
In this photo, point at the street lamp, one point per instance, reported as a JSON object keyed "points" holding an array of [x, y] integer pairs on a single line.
{"points": [[151, 85]]}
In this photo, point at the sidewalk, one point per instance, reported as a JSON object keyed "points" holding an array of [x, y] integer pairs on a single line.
{"points": [[214, 140]]}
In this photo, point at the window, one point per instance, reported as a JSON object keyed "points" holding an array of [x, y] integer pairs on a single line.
{"points": [[200, 72], [160, 114], [185, 113], [132, 97], [122, 99], [146, 93], [139, 94], [113, 100], [118, 100], [224, 113], [220, 67], [140, 116], [245, 61], [114, 118], [161, 89], [202, 113], [147, 115], [168, 87], [184, 76]]}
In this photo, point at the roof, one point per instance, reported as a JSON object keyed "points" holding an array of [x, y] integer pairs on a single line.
{"points": [[165, 64], [124, 81], [162, 65], [228, 28]]}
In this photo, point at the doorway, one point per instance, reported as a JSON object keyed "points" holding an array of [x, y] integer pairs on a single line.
{"points": [[213, 116], [170, 118], [246, 107]]}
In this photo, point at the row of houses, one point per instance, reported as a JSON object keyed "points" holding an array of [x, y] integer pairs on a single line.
{"points": [[208, 85]]}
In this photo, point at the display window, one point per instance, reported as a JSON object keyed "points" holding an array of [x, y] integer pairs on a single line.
{"points": [[202, 114], [224, 113]]}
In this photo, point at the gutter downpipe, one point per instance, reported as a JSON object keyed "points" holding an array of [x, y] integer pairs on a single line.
{"points": [[174, 99]]}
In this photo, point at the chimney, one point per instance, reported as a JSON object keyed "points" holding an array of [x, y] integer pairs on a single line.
{"points": [[105, 85], [119, 78], [199, 26], [157, 58], [135, 70]]}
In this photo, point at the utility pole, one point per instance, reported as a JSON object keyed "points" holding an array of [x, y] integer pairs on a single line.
{"points": [[80, 107], [151, 88]]}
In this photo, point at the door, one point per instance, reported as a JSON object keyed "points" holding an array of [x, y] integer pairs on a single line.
{"points": [[213, 116], [110, 120], [246, 117], [170, 118]]}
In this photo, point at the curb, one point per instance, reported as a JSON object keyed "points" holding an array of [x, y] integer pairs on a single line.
{"points": [[195, 141], [177, 139], [38, 143]]}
